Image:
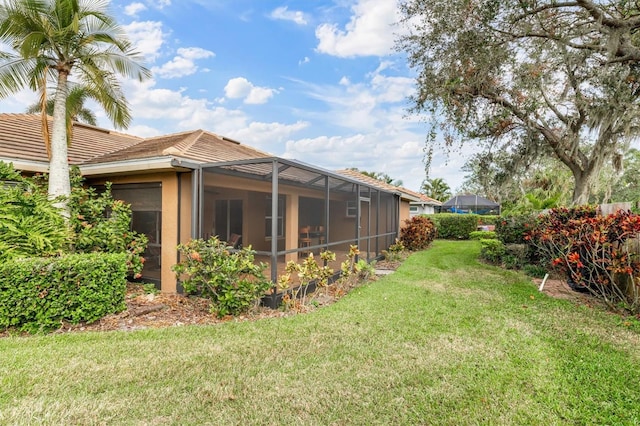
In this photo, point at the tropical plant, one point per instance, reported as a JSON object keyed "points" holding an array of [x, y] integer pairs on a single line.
{"points": [[76, 110], [417, 233], [594, 251], [381, 176], [437, 189], [231, 280], [59, 40]]}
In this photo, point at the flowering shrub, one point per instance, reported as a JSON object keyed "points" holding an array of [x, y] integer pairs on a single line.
{"points": [[418, 233], [232, 281], [593, 250], [512, 229]]}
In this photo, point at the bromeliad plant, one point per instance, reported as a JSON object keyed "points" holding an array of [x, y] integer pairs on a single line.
{"points": [[230, 279], [595, 251]]}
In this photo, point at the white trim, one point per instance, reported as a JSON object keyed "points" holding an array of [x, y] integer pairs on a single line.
{"points": [[27, 165], [127, 166]]}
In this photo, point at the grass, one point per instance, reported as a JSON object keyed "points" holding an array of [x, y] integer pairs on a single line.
{"points": [[443, 340]]}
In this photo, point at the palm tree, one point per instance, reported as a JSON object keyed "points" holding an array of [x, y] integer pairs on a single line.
{"points": [[75, 111], [53, 40], [437, 189], [381, 176]]}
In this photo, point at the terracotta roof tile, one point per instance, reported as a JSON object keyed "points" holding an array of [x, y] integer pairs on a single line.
{"points": [[21, 138]]}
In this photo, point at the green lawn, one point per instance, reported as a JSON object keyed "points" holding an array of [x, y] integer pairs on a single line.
{"points": [[443, 340]]}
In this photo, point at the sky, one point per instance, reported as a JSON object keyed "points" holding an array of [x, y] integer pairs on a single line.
{"points": [[318, 81]]}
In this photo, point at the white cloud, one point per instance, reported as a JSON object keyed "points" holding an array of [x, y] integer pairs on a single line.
{"points": [[134, 8], [268, 137], [397, 153], [285, 14], [241, 88], [304, 60], [370, 32], [365, 106], [147, 36], [183, 63]]}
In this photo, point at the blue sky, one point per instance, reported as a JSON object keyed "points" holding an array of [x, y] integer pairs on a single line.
{"points": [[312, 80]]}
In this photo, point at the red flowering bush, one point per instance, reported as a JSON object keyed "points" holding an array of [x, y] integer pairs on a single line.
{"points": [[418, 233], [595, 251]]}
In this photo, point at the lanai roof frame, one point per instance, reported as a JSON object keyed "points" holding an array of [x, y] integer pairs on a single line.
{"points": [[297, 174]]}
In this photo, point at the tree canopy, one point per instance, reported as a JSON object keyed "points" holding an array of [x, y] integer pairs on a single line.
{"points": [[534, 79]]}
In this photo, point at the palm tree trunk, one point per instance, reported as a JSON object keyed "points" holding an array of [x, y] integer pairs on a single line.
{"points": [[59, 182]]}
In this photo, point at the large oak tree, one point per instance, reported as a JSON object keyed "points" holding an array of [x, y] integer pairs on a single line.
{"points": [[530, 78], [58, 40]]}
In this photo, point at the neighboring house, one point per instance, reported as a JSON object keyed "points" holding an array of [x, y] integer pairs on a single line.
{"points": [[424, 204], [198, 184]]}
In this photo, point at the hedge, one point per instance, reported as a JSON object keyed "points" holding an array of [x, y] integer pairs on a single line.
{"points": [[453, 226], [38, 294]]}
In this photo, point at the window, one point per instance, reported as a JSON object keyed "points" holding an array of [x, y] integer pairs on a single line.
{"points": [[268, 218], [413, 209], [352, 209]]}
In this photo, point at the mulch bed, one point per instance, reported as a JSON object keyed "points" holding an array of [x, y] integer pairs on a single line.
{"points": [[170, 310]]}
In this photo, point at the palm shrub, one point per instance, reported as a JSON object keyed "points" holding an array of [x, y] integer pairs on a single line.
{"points": [[418, 233], [230, 279], [29, 223]]}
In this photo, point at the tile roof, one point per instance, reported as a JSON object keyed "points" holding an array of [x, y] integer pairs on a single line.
{"points": [[423, 198], [197, 145], [357, 175], [21, 138]]}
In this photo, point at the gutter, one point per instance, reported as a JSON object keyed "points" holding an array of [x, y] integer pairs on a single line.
{"points": [[127, 166]]}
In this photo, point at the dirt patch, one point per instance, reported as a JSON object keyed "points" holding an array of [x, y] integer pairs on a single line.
{"points": [[559, 289]]}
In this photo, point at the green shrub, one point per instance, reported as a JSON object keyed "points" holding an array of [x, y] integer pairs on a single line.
{"points": [[30, 226], [492, 250], [417, 233], [101, 224], [38, 294], [232, 281], [452, 226], [29, 223], [489, 219], [482, 235], [515, 256], [512, 229]]}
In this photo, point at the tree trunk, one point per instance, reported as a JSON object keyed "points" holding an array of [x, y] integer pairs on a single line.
{"points": [[582, 188], [59, 182]]}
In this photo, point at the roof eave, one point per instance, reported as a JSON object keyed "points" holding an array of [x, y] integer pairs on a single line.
{"points": [[27, 165], [128, 166]]}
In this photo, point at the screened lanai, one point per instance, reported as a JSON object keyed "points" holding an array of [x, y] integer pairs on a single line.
{"points": [[285, 209]]}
